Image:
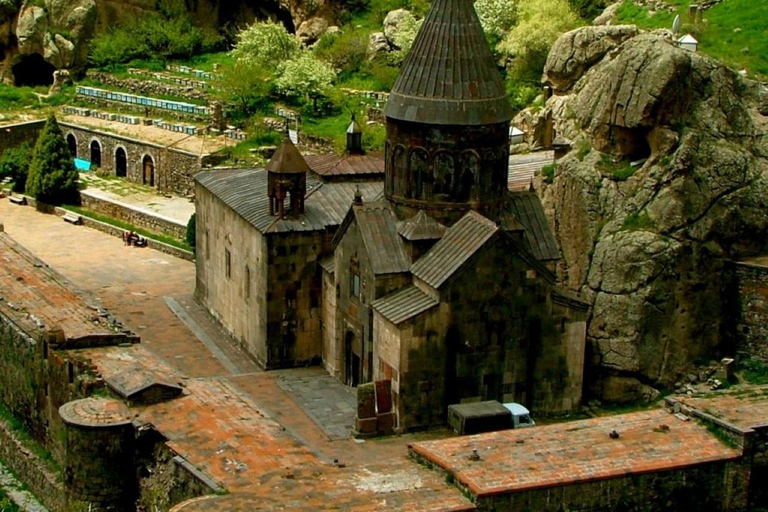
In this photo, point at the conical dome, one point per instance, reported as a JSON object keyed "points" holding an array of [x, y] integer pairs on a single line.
{"points": [[287, 159], [449, 76]]}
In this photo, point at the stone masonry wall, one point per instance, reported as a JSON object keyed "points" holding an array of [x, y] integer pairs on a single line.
{"points": [[173, 168], [31, 469], [750, 309], [149, 87], [714, 487], [143, 219]]}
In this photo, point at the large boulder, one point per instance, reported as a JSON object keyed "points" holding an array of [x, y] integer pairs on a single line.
{"points": [[576, 51], [392, 22], [311, 30], [645, 243]]}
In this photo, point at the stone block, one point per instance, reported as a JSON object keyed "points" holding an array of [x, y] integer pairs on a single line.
{"points": [[385, 423], [383, 396], [366, 401], [366, 425], [725, 370]]}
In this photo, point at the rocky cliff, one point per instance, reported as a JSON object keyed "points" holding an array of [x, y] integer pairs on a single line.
{"points": [[666, 178], [39, 36]]}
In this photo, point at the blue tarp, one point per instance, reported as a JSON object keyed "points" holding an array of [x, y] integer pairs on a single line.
{"points": [[82, 165]]}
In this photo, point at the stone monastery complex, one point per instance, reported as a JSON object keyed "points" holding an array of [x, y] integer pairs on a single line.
{"points": [[430, 275], [358, 297]]}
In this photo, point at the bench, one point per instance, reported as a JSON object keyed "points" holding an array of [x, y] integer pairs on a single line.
{"points": [[72, 218], [20, 200]]}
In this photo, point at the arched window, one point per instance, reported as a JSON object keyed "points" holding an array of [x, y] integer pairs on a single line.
{"points": [[148, 164], [399, 170], [419, 166], [121, 163], [466, 179], [72, 145], [443, 174], [95, 153]]}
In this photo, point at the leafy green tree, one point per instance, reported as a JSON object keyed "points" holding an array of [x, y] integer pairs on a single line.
{"points": [[305, 76], [346, 51], [540, 23], [245, 86], [52, 175], [14, 164], [268, 45], [403, 39], [497, 16], [191, 234]]}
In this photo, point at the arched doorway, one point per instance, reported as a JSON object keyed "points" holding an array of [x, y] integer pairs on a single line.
{"points": [[95, 153], [351, 361], [72, 145], [32, 70], [149, 170], [121, 163]]}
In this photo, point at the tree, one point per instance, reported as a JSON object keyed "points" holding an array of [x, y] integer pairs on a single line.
{"points": [[268, 45], [305, 76], [497, 16], [191, 234], [540, 23], [14, 164], [52, 175], [244, 85]]}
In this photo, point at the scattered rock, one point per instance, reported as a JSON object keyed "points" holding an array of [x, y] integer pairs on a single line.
{"points": [[311, 30], [392, 25]]}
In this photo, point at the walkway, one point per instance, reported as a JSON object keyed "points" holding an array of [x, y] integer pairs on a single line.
{"points": [[15, 491]]}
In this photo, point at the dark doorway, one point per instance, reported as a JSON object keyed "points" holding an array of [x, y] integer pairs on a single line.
{"points": [[121, 163], [72, 145], [351, 361], [33, 70], [95, 153], [149, 171]]}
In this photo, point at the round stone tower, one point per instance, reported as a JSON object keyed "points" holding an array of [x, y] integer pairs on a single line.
{"points": [[99, 468], [448, 120]]}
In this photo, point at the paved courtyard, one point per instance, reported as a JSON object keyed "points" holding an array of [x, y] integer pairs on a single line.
{"points": [[152, 293]]}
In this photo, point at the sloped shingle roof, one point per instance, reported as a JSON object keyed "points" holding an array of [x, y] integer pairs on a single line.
{"points": [[245, 191], [404, 304], [460, 242], [420, 227], [527, 208], [378, 229]]}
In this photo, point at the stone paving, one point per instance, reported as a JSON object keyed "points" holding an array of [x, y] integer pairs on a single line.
{"points": [[327, 401]]}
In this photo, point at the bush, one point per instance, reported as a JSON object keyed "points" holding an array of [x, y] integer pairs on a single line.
{"points": [[344, 51], [246, 86], [191, 234], [154, 36], [52, 175], [268, 45], [548, 171], [14, 164]]}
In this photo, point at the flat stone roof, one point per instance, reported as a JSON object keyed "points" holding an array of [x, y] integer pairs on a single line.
{"points": [[37, 298], [401, 486], [95, 412], [744, 408], [575, 452]]}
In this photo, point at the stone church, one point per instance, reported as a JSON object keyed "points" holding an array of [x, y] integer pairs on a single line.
{"points": [[417, 267]]}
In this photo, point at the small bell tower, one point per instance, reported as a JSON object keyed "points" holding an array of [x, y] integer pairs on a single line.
{"points": [[354, 138], [287, 179]]}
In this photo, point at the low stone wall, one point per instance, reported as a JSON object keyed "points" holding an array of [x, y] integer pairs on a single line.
{"points": [[149, 87], [32, 470], [135, 216]]}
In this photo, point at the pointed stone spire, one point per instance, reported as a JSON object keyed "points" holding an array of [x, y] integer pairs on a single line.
{"points": [[449, 76]]}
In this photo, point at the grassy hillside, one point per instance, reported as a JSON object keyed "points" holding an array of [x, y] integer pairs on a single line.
{"points": [[733, 31]]}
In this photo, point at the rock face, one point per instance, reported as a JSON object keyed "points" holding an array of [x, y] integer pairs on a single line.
{"points": [[56, 32], [646, 244]]}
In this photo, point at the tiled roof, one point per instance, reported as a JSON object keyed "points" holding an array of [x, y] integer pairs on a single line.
{"points": [[449, 77], [575, 452], [420, 227], [287, 159], [37, 298], [371, 164], [405, 304], [522, 168], [527, 208], [458, 245], [245, 191], [132, 382], [378, 229]]}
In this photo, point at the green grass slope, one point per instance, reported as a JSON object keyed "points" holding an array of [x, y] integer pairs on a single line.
{"points": [[733, 31]]}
